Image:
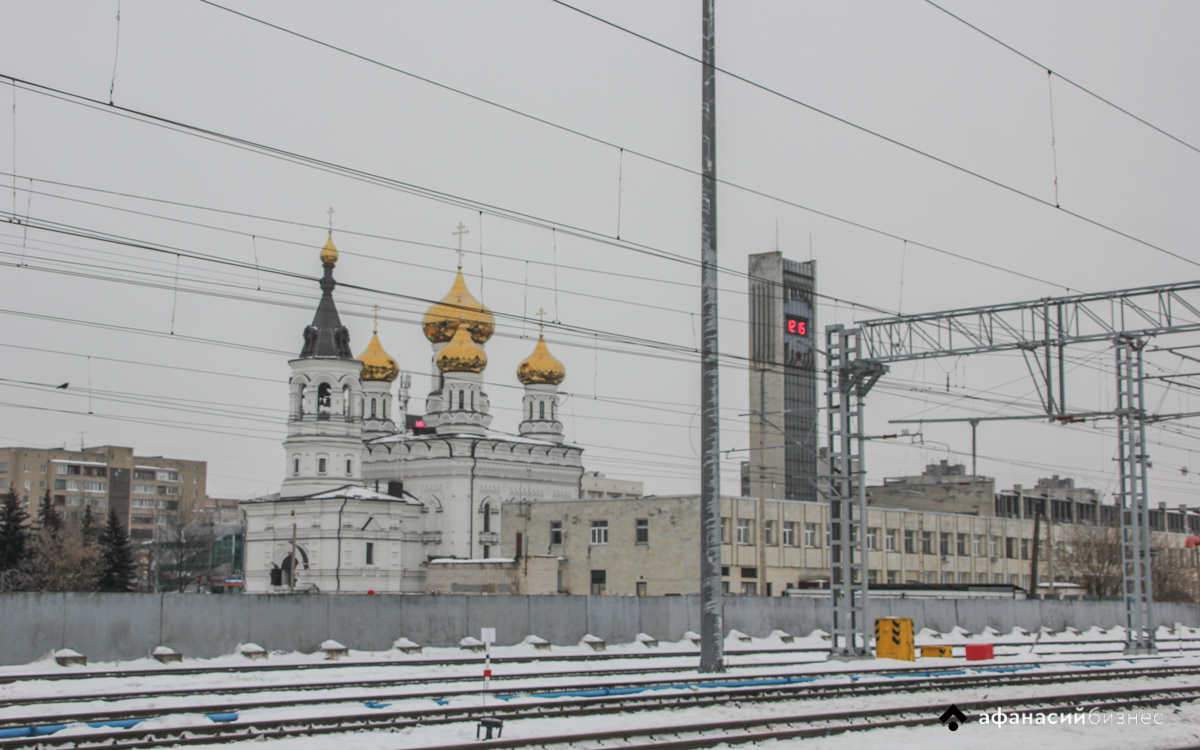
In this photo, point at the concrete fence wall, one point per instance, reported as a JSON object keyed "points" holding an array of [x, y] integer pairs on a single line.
{"points": [[110, 627]]}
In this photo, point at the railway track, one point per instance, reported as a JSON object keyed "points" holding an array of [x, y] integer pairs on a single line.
{"points": [[229, 729], [1166, 647]]}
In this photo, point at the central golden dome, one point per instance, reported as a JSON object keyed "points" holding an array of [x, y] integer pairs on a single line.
{"points": [[462, 354], [541, 367], [441, 321], [378, 364], [329, 253]]}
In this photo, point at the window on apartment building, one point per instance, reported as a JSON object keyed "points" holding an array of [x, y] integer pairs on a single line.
{"points": [[41, 484], [789, 533], [891, 539], [1025, 549], [893, 576], [994, 548], [27, 483], [947, 578], [745, 533], [140, 503], [641, 530], [725, 530], [142, 474], [195, 479], [981, 578], [872, 537], [944, 544], [977, 547], [927, 577], [872, 576], [168, 476], [641, 588], [910, 541], [599, 578], [749, 572], [725, 570], [768, 533], [927, 542], [26, 468], [42, 468], [141, 518], [963, 541], [3, 467], [370, 553], [749, 588], [998, 578], [811, 538], [1010, 548], [964, 577], [599, 534], [555, 533]]}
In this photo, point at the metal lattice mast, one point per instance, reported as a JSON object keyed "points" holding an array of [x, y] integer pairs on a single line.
{"points": [[849, 380], [1135, 512]]}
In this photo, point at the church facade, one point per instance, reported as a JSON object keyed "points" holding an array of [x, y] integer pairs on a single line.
{"points": [[365, 504]]}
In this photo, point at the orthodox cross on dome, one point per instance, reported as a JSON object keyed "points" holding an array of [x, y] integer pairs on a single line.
{"points": [[541, 313], [376, 309], [330, 212], [459, 231]]}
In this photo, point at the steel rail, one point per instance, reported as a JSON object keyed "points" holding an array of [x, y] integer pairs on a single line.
{"points": [[336, 725], [559, 708]]}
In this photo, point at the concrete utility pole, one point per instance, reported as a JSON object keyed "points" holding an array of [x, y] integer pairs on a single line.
{"points": [[292, 568], [712, 657]]}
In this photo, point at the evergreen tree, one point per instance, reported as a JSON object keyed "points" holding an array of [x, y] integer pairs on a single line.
{"points": [[88, 527], [13, 534], [117, 567], [47, 516]]}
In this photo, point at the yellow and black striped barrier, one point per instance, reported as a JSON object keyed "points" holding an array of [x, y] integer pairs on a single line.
{"points": [[894, 639], [928, 652]]}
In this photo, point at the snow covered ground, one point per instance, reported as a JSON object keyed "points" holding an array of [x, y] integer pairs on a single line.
{"points": [[1166, 728]]}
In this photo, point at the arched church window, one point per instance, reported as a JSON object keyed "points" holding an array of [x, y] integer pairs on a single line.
{"points": [[460, 399], [472, 400], [321, 465], [531, 410], [541, 410], [296, 466], [300, 411], [349, 466], [553, 410], [324, 400], [345, 401], [385, 408], [487, 518], [372, 408]]}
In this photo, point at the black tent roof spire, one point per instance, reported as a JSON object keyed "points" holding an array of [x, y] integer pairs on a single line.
{"points": [[327, 337]]}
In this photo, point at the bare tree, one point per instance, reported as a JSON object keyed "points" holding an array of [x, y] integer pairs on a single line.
{"points": [[184, 546], [61, 560], [1171, 576], [1091, 557]]}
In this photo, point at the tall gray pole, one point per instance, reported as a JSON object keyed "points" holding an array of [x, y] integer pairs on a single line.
{"points": [[712, 657]]}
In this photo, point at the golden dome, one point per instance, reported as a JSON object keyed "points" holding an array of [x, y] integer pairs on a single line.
{"points": [[377, 364], [541, 367], [459, 305], [329, 253], [462, 354]]}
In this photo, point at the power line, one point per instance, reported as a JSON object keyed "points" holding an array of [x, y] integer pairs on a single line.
{"points": [[1063, 78], [888, 139]]}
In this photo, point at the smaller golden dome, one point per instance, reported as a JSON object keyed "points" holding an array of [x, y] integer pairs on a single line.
{"points": [[541, 367], [462, 354], [329, 253], [378, 364], [458, 306]]}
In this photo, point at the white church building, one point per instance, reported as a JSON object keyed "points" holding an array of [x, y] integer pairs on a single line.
{"points": [[365, 504]]}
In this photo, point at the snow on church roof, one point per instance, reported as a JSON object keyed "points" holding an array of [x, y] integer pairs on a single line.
{"points": [[490, 435], [350, 491]]}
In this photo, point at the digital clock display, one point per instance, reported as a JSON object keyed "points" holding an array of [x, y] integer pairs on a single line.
{"points": [[795, 325]]}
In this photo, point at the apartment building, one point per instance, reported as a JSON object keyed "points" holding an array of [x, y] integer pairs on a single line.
{"points": [[146, 491], [651, 545]]}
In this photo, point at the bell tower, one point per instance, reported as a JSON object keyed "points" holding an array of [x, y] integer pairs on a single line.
{"points": [[324, 448]]}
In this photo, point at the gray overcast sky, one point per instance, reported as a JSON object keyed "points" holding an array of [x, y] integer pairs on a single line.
{"points": [[901, 68]]}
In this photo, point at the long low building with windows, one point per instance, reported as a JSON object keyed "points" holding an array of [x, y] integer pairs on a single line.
{"points": [[651, 545]]}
